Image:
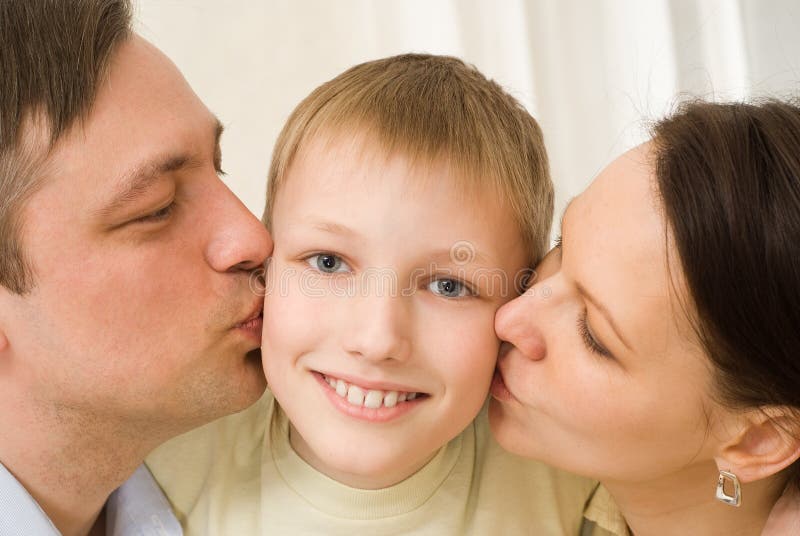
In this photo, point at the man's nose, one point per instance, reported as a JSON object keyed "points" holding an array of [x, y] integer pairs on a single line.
{"points": [[240, 242]]}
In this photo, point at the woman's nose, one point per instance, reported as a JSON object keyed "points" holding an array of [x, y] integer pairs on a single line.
{"points": [[516, 323]]}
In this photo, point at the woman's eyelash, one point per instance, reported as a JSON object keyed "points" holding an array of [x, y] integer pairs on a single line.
{"points": [[588, 339], [557, 244]]}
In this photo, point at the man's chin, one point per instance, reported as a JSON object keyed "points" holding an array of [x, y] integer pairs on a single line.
{"points": [[254, 357]]}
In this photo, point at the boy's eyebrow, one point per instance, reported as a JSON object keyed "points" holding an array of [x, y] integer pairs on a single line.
{"points": [[461, 253], [335, 228]]}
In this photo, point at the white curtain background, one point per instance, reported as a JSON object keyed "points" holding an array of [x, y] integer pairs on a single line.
{"points": [[592, 72]]}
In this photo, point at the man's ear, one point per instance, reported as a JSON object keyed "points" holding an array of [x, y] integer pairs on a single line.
{"points": [[768, 442]]}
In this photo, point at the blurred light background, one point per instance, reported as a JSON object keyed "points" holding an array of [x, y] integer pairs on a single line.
{"points": [[592, 72]]}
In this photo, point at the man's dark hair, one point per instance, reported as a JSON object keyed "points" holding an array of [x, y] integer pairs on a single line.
{"points": [[53, 56]]}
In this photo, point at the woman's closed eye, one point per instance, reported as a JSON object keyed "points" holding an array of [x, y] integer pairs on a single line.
{"points": [[588, 337]]}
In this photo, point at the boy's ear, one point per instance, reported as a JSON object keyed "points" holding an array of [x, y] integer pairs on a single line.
{"points": [[768, 442]]}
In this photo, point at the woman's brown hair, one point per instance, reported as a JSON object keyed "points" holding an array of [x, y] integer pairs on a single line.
{"points": [[729, 178]]}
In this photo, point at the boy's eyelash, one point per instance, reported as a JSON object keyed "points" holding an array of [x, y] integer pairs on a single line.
{"points": [[338, 257], [589, 340], [471, 292]]}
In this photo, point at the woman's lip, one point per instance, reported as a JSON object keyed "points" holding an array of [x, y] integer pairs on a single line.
{"points": [[499, 389]]}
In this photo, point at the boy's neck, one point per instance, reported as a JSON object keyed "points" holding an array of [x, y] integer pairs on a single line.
{"points": [[686, 501]]}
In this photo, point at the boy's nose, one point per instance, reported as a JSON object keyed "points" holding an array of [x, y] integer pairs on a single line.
{"points": [[378, 329]]}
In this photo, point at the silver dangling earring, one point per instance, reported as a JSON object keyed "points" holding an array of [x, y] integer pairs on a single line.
{"points": [[732, 500]]}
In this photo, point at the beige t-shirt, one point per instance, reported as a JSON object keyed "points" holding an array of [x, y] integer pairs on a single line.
{"points": [[602, 516], [240, 476]]}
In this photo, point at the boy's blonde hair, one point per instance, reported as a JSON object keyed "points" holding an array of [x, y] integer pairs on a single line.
{"points": [[433, 108]]}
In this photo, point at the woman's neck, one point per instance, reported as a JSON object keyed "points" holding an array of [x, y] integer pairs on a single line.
{"points": [[685, 503]]}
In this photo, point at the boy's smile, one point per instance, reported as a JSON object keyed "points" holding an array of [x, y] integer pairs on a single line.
{"points": [[378, 403], [378, 339]]}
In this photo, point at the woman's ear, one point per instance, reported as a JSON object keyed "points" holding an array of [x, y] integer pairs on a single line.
{"points": [[768, 442]]}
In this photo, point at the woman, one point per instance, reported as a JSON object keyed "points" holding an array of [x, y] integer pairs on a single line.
{"points": [[659, 350]]}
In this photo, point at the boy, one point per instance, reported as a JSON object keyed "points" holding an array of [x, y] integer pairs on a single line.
{"points": [[407, 197]]}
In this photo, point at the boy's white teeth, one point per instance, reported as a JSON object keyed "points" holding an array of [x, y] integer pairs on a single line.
{"points": [[341, 388], [368, 398], [390, 400], [374, 399], [355, 395]]}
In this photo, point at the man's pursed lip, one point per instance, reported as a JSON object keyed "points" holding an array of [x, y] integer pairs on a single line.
{"points": [[253, 322]]}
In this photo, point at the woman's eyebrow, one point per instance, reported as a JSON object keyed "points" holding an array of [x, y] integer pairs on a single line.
{"points": [[600, 307], [587, 294]]}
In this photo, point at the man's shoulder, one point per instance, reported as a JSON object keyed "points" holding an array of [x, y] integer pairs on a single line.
{"points": [[139, 507]]}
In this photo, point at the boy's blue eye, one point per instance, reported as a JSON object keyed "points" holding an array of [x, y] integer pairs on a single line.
{"points": [[449, 288], [328, 263]]}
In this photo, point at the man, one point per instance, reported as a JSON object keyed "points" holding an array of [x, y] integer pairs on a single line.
{"points": [[126, 315]]}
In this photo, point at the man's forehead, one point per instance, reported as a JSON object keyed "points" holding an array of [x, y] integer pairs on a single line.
{"points": [[145, 121]]}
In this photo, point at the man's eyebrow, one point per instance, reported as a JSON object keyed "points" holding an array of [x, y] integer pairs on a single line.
{"points": [[588, 295], [140, 178], [218, 129]]}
